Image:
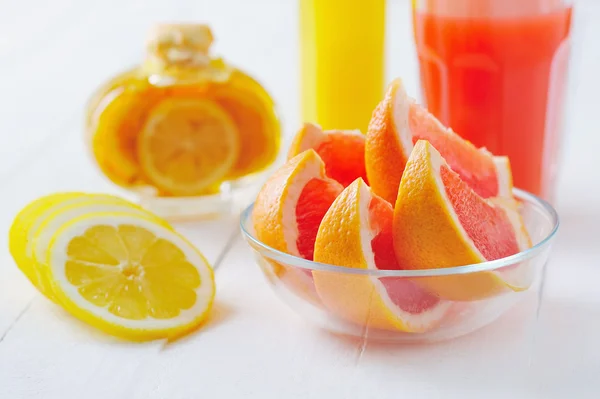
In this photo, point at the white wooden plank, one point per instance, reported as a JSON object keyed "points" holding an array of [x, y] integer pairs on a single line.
{"points": [[567, 358], [66, 359]]}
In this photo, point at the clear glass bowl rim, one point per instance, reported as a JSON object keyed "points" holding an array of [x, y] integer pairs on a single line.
{"points": [[522, 256]]}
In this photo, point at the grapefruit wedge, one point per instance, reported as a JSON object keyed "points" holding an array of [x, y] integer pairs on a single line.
{"points": [[343, 151], [356, 232], [288, 211], [439, 222], [398, 122]]}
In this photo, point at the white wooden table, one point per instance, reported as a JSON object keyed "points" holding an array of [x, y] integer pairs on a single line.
{"points": [[52, 54]]}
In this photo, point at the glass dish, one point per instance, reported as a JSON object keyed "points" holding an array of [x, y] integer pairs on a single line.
{"points": [[293, 278]]}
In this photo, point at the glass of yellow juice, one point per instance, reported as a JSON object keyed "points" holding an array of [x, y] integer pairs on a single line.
{"points": [[342, 56]]}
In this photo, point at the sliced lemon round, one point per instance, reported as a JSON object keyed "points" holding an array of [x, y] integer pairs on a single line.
{"points": [[130, 276], [187, 145], [18, 236], [54, 209], [58, 215]]}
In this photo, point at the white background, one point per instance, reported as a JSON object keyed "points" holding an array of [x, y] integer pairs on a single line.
{"points": [[53, 54]]}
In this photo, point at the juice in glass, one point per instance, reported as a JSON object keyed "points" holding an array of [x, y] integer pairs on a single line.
{"points": [[495, 71], [342, 61]]}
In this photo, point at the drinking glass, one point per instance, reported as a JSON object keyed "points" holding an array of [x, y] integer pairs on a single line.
{"points": [[496, 72], [342, 61]]}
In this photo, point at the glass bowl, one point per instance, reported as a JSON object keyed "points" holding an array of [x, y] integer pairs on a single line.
{"points": [[387, 305]]}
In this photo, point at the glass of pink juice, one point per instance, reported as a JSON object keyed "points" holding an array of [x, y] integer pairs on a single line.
{"points": [[495, 71]]}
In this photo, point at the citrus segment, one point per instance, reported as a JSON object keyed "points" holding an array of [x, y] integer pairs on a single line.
{"points": [[310, 136], [343, 151], [278, 219], [398, 122], [439, 221], [314, 201], [187, 145], [130, 276], [116, 123], [504, 175], [517, 277], [253, 112], [288, 211], [390, 303], [494, 241]]}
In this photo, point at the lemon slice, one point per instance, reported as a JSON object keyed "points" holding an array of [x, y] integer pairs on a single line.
{"points": [[54, 209], [20, 228], [49, 207], [187, 145], [130, 276], [46, 228]]}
